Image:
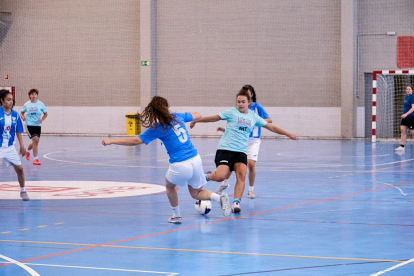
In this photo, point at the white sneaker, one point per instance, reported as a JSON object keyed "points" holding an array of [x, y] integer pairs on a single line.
{"points": [[225, 205], [400, 148], [175, 220], [236, 207], [224, 185], [251, 195], [24, 196]]}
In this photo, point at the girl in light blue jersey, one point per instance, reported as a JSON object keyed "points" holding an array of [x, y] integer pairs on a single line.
{"points": [[34, 112], [185, 164], [253, 145], [11, 127], [231, 154]]}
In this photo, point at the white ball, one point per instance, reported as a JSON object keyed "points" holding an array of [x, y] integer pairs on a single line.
{"points": [[203, 206]]}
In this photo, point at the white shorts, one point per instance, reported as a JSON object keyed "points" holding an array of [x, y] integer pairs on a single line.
{"points": [[187, 172], [10, 155], [253, 148]]}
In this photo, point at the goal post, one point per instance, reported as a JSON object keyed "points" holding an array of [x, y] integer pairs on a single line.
{"points": [[385, 85]]}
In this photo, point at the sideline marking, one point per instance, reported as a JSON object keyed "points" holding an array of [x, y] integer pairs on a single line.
{"points": [[25, 267], [213, 222], [393, 267], [110, 269]]}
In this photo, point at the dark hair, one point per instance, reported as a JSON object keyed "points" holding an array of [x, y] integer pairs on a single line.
{"points": [[3, 95], [156, 113], [412, 87], [244, 92], [249, 87], [33, 90]]}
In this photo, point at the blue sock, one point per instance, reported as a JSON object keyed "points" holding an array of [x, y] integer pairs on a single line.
{"points": [[236, 199]]}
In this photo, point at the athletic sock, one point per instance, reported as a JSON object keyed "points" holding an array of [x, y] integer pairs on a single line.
{"points": [[22, 190], [236, 199], [402, 146], [251, 188], [215, 197], [176, 211]]}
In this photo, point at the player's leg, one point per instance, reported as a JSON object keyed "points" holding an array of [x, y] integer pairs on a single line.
{"points": [[13, 158], [252, 155], [177, 175], [35, 145], [403, 129], [196, 183], [241, 170]]}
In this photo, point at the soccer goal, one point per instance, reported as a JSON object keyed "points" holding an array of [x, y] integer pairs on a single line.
{"points": [[388, 91]]}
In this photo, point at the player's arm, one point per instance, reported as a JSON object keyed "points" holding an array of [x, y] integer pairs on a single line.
{"points": [[408, 112], [43, 118], [20, 139], [280, 131], [130, 141], [196, 116], [22, 116], [269, 120], [209, 119]]}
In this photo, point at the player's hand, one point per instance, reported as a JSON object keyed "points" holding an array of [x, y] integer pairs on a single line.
{"points": [[106, 142], [403, 116], [23, 118], [192, 124], [292, 136], [22, 151], [221, 129]]}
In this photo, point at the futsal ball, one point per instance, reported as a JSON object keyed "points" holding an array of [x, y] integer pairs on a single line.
{"points": [[203, 206]]}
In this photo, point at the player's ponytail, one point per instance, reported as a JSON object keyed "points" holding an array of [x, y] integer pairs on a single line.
{"points": [[251, 88], [156, 113]]}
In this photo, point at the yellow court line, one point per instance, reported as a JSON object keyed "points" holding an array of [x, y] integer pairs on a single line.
{"points": [[6, 232], [60, 223], [25, 229], [209, 251], [42, 226]]}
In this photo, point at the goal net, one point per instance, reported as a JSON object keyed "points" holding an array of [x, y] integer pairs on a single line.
{"points": [[388, 92]]}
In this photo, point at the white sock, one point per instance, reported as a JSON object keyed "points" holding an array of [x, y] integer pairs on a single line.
{"points": [[251, 188], [176, 211], [22, 190], [215, 197]]}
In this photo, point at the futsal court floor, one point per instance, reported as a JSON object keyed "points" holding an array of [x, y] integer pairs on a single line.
{"points": [[323, 207]]}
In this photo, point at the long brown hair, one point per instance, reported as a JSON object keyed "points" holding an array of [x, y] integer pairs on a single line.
{"points": [[157, 113]]}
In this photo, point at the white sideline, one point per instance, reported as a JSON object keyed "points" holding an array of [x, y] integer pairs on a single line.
{"points": [[393, 267], [25, 267]]}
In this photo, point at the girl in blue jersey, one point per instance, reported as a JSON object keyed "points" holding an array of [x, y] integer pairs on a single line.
{"points": [[11, 127], [407, 118], [231, 154], [254, 143], [185, 164], [34, 112]]}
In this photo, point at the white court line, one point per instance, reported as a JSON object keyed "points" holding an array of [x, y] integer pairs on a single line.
{"points": [[28, 269], [401, 191], [104, 268], [393, 267]]}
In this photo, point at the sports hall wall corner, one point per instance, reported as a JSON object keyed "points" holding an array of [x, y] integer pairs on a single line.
{"points": [[308, 60]]}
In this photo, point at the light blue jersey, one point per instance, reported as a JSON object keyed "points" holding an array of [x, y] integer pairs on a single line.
{"points": [[176, 141], [259, 110], [239, 126], [33, 112], [10, 124]]}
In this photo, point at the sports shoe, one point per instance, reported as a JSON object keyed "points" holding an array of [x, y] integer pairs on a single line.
{"points": [[224, 185], [175, 220], [400, 148], [251, 195], [27, 155], [236, 207], [36, 162], [24, 196], [225, 205]]}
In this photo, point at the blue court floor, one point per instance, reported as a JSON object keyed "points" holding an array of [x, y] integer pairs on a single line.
{"points": [[323, 207]]}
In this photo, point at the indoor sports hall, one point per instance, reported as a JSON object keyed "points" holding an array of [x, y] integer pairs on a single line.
{"points": [[337, 201]]}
